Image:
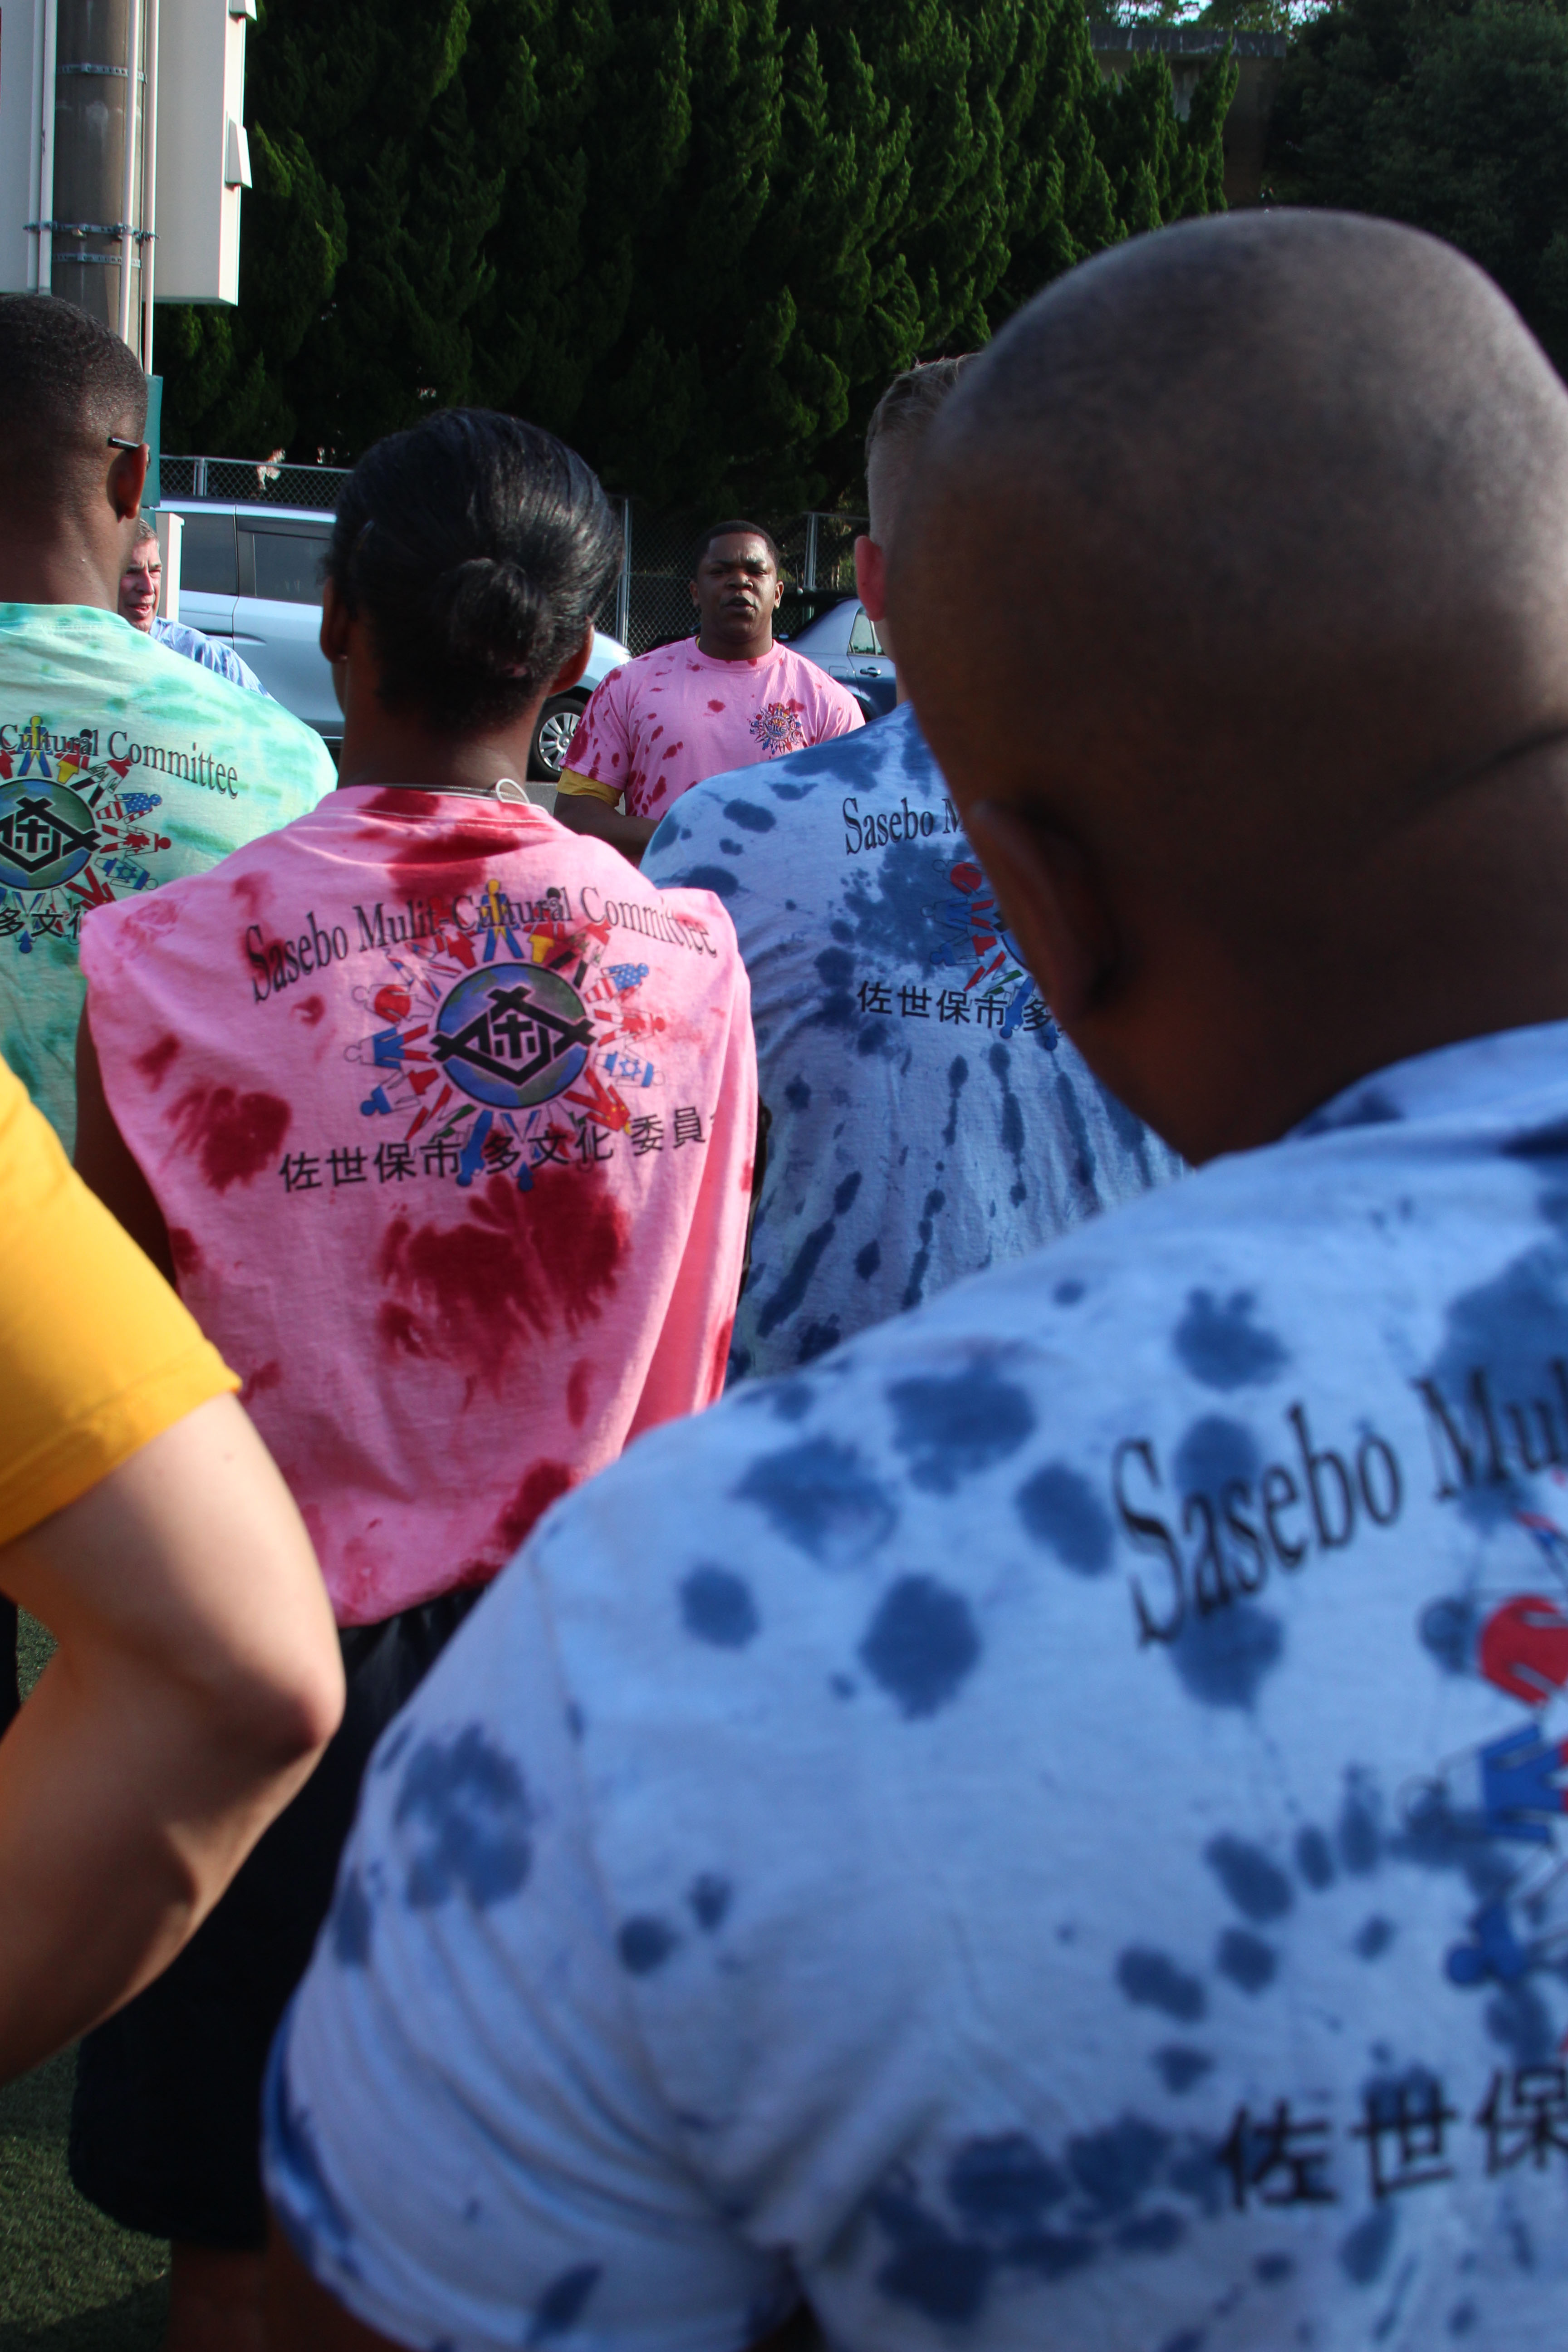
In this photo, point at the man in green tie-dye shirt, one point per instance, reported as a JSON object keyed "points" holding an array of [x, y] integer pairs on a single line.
{"points": [[120, 765]]}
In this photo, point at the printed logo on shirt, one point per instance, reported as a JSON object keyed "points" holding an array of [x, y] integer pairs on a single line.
{"points": [[71, 837], [777, 728], [498, 1047], [992, 989]]}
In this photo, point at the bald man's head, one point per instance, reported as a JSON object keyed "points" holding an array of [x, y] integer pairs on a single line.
{"points": [[1275, 509]]}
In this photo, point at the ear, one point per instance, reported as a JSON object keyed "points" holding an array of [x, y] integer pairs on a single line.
{"points": [[1053, 904], [571, 668], [126, 481], [871, 576], [691, 590], [334, 623]]}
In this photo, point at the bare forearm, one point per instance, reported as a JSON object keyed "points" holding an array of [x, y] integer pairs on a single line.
{"points": [[581, 812], [196, 1680]]}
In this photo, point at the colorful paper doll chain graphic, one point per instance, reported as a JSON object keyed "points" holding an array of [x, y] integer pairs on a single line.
{"points": [[978, 944], [71, 837], [506, 1046]]}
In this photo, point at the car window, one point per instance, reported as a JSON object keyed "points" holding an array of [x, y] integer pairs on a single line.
{"points": [[863, 638], [209, 561], [289, 566]]}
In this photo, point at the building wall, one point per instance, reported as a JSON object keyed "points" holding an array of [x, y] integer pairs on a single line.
{"points": [[1260, 60]]}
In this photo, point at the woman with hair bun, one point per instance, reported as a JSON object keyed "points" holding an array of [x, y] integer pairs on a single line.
{"points": [[442, 1120]]}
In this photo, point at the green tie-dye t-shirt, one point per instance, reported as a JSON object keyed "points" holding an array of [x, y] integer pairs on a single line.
{"points": [[121, 765]]}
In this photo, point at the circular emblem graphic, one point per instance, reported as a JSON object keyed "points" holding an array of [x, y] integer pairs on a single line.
{"points": [[512, 1034], [47, 835]]}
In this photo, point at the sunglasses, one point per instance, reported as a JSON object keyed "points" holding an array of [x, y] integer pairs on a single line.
{"points": [[117, 441]]}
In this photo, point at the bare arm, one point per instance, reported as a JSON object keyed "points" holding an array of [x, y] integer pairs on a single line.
{"points": [[105, 1164], [196, 1681], [581, 813]]}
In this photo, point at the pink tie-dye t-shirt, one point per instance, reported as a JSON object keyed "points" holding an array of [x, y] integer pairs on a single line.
{"points": [[663, 722], [451, 1116]]}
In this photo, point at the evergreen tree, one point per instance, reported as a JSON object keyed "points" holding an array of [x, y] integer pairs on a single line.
{"points": [[694, 236], [1449, 114]]}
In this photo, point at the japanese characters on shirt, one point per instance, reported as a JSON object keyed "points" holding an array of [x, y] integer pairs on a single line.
{"points": [[498, 1038]]}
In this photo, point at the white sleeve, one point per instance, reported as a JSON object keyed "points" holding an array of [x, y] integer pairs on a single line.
{"points": [[465, 2141]]}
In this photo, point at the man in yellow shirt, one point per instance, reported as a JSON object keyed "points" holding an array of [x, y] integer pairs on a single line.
{"points": [[197, 1677]]}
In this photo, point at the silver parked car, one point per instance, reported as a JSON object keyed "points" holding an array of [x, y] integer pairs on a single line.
{"points": [[844, 641], [252, 576]]}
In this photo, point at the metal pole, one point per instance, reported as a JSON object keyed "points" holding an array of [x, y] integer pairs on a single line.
{"points": [[811, 550], [94, 106], [127, 182], [45, 20], [149, 182], [624, 584]]}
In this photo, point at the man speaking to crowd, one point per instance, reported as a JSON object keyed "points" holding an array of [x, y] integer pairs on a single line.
{"points": [[661, 723]]}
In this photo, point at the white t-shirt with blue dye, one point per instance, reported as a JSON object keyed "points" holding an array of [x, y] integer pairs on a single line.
{"points": [[928, 1116], [1046, 1829]]}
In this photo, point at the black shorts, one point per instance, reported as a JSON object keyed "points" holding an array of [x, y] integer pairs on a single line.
{"points": [[165, 2133]]}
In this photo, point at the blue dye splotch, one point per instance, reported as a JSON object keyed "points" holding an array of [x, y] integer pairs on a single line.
{"points": [[1258, 1887], [1213, 1451], [952, 1427], [1359, 1835], [1462, 2318], [313, 2214], [1180, 2067], [352, 1921], [1517, 2019], [819, 1496], [717, 878], [1246, 1961], [561, 2305], [1191, 2339], [1114, 2167], [922, 1645], [1159, 2233], [1082, 1164], [645, 1943], [1448, 1628], [957, 1079], [1365, 2252], [1374, 1937], [797, 1276], [797, 1094], [1000, 2186], [1068, 1294], [818, 1339], [1011, 1133], [1274, 2269], [1313, 1859], [896, 925], [1151, 1980], [1060, 1509], [465, 1809], [868, 1258], [716, 1607], [1222, 1659], [750, 817], [710, 1897], [931, 1209], [1220, 1345], [836, 970]]}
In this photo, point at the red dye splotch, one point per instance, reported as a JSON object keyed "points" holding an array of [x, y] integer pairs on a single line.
{"points": [[577, 1392], [519, 1265], [266, 1376], [312, 1010], [746, 1178], [186, 1252], [233, 1136], [715, 706], [251, 890], [403, 804], [545, 1483], [154, 1063], [719, 1362], [444, 862]]}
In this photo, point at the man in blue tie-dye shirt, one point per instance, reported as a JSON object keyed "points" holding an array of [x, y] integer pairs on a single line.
{"points": [[1049, 1827], [925, 1115]]}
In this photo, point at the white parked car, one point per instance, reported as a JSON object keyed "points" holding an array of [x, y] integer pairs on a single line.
{"points": [[252, 576]]}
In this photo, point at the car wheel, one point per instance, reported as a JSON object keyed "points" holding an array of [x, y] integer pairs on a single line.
{"points": [[553, 737]]}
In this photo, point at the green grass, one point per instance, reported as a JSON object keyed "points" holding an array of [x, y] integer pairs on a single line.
{"points": [[69, 2280]]}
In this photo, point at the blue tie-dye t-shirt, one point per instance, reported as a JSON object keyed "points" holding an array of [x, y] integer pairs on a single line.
{"points": [[928, 1116], [1047, 1829]]}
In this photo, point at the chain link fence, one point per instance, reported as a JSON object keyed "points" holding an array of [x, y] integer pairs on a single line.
{"points": [[648, 605]]}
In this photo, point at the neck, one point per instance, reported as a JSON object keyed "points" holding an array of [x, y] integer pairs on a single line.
{"points": [[751, 649], [380, 749], [58, 564]]}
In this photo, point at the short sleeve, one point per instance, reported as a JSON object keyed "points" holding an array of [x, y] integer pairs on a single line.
{"points": [[97, 1354], [464, 2138], [601, 755]]}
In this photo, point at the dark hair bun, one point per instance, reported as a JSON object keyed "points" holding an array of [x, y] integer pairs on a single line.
{"points": [[478, 548]]}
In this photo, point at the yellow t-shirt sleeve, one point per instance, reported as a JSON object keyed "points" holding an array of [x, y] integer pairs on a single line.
{"points": [[588, 787], [97, 1354]]}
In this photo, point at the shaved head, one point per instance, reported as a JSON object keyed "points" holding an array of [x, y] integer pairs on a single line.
{"points": [[1272, 510]]}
